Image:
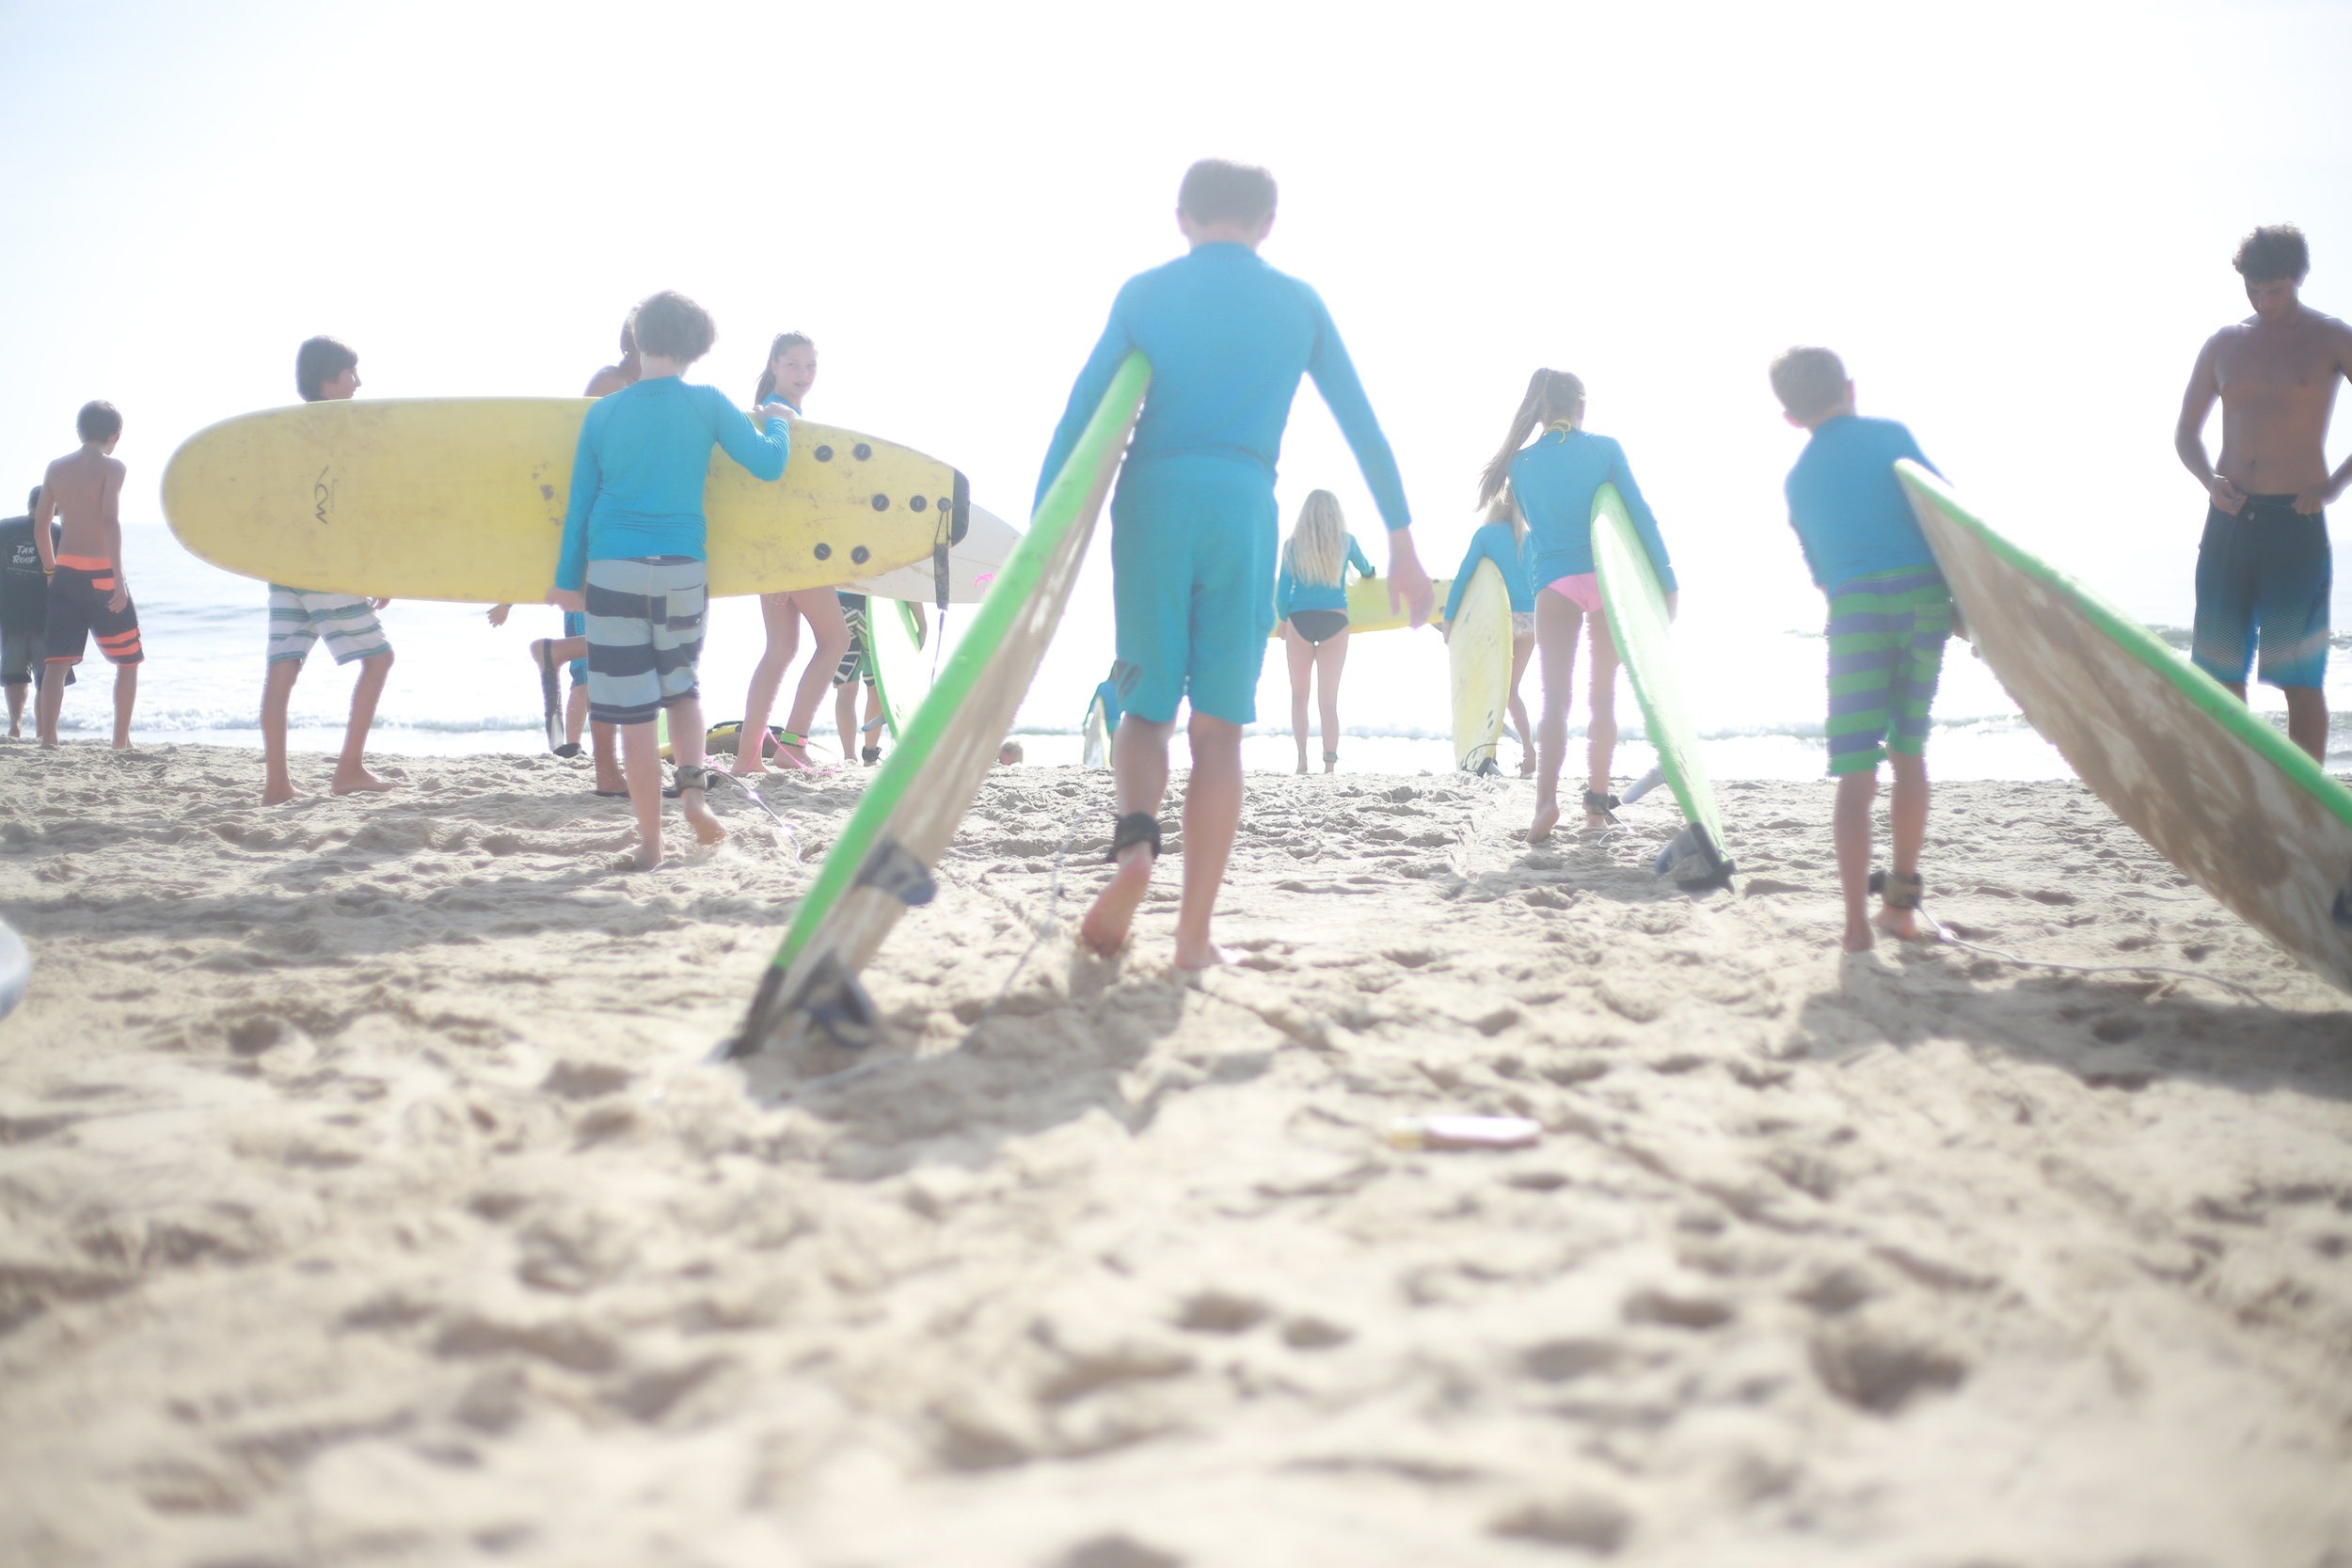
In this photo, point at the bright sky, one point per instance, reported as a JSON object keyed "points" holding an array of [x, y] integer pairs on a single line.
{"points": [[2014, 221]]}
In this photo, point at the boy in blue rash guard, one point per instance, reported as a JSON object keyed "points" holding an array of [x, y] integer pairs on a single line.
{"points": [[1503, 539], [1889, 616], [1554, 478], [633, 559], [1311, 606], [1193, 523]]}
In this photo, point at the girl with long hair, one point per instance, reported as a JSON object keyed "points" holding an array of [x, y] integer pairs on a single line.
{"points": [[1311, 601], [1554, 477], [1503, 539], [791, 372]]}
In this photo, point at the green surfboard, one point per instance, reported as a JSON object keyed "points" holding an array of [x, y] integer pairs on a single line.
{"points": [[2213, 787], [882, 864], [1637, 621]]}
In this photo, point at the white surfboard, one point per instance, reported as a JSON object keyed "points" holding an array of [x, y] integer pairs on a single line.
{"points": [[972, 565]]}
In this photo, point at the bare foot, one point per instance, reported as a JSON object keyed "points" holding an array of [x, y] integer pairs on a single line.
{"points": [[277, 794], [1302, 764], [1859, 939], [646, 857], [698, 816], [1547, 818], [1208, 955], [360, 781], [1527, 767], [1593, 821], [1105, 928], [1902, 924]]}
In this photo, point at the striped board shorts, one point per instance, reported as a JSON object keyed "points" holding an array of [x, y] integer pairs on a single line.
{"points": [[78, 607], [644, 635], [1886, 636], [858, 659], [298, 618]]}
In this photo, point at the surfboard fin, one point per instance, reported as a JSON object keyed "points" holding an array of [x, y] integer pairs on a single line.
{"points": [[830, 1001], [1694, 862], [892, 868]]}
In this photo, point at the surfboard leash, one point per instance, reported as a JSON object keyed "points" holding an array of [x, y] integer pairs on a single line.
{"points": [[1943, 936]]}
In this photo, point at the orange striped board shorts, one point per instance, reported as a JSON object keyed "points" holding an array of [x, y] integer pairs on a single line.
{"points": [[79, 595]]}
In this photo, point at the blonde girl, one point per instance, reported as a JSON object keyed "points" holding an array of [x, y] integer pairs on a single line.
{"points": [[1311, 601]]}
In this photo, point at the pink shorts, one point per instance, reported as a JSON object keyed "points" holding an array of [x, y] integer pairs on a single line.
{"points": [[1582, 591]]}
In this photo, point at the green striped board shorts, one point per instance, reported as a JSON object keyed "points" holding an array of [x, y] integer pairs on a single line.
{"points": [[1886, 636], [299, 618]]}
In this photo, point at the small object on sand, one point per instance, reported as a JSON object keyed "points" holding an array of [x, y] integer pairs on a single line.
{"points": [[1463, 1132], [1643, 785], [16, 969]]}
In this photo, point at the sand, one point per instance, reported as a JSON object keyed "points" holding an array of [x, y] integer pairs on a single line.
{"points": [[367, 1200]]}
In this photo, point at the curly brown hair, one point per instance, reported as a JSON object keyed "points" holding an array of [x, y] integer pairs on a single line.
{"points": [[2273, 253], [670, 324]]}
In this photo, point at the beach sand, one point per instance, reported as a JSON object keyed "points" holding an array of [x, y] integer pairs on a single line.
{"points": [[367, 1200]]}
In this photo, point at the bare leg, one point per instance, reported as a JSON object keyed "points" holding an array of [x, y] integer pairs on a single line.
{"points": [[1852, 831], [1522, 649], [16, 710], [574, 714], [2307, 721], [52, 699], [1301, 655], [1907, 821], [872, 734], [641, 762], [276, 691], [1212, 812], [1139, 775], [822, 609], [845, 717], [351, 774], [1557, 622], [1331, 658], [1600, 746], [784, 639], [604, 739], [126, 694], [686, 745]]}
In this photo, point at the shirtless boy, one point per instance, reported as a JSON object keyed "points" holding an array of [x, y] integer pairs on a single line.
{"points": [[1193, 524], [324, 372], [2264, 566], [87, 592]]}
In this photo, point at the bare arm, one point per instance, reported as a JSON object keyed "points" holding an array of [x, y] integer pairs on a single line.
{"points": [[2312, 500], [44, 513], [110, 524], [2188, 436]]}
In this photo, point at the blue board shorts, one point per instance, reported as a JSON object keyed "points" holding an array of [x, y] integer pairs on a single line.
{"points": [[2264, 576], [1193, 544]]}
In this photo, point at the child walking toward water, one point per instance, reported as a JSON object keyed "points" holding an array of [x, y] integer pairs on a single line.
{"points": [[1889, 616], [632, 558], [791, 371], [1193, 524], [1555, 477], [1310, 602], [89, 595], [1503, 539], [324, 372]]}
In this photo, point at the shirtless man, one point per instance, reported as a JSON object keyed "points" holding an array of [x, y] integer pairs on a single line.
{"points": [[2263, 569], [87, 592]]}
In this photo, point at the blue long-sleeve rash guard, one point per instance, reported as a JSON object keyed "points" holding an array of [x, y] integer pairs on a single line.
{"points": [[1555, 478], [1493, 542], [1290, 594], [637, 478], [1228, 336], [1850, 513]]}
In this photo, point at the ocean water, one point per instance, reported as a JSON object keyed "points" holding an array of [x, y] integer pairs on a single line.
{"points": [[1753, 665]]}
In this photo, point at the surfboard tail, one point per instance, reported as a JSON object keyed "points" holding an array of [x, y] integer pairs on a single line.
{"points": [[881, 864]]}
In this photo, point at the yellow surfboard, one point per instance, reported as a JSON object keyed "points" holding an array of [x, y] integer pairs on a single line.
{"points": [[463, 499], [1479, 650], [1368, 605]]}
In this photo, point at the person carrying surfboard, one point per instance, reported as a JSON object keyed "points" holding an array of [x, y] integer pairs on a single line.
{"points": [[791, 372], [1311, 604], [633, 553], [326, 371], [1889, 617], [2264, 566], [1194, 525], [1503, 539], [88, 594], [1555, 477]]}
